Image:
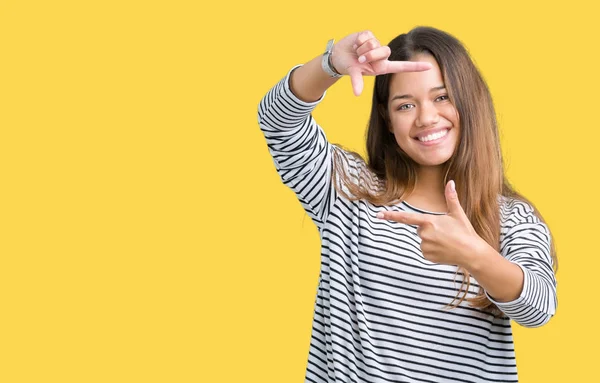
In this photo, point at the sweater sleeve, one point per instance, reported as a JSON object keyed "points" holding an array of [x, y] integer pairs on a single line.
{"points": [[299, 147], [525, 241]]}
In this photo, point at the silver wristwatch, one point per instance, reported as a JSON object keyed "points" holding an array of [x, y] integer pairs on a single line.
{"points": [[326, 61]]}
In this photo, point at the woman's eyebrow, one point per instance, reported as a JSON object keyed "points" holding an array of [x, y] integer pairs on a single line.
{"points": [[441, 87], [403, 96]]}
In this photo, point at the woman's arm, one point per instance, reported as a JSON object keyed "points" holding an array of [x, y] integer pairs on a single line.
{"points": [[519, 279], [309, 82], [299, 147], [501, 279]]}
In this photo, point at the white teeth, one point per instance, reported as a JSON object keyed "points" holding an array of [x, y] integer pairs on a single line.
{"points": [[434, 136]]}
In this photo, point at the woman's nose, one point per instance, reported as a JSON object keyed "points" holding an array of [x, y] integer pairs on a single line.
{"points": [[428, 115]]}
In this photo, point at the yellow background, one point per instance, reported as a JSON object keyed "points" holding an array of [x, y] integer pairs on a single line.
{"points": [[145, 236]]}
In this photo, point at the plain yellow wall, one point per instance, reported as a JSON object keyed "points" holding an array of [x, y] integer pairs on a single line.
{"points": [[145, 236]]}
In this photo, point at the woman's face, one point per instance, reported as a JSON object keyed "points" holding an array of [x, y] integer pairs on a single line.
{"points": [[423, 120]]}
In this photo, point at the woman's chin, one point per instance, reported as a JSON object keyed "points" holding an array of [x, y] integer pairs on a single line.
{"points": [[432, 162]]}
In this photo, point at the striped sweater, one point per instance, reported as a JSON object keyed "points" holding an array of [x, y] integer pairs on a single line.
{"points": [[380, 311]]}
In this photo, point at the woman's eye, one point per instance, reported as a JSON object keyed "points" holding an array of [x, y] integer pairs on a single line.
{"points": [[442, 98], [405, 107]]}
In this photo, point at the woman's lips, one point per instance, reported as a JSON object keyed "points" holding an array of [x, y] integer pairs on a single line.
{"points": [[436, 141]]}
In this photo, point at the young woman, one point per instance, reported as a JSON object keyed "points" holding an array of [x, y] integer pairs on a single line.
{"points": [[427, 251]]}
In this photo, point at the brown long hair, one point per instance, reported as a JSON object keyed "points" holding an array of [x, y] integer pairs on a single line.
{"points": [[476, 166]]}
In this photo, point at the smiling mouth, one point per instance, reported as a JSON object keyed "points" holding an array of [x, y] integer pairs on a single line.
{"points": [[433, 136]]}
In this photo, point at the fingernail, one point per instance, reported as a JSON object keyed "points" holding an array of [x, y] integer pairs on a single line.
{"points": [[380, 215], [362, 59], [452, 186]]}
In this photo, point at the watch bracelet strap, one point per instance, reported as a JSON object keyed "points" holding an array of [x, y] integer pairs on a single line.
{"points": [[332, 67], [326, 63]]}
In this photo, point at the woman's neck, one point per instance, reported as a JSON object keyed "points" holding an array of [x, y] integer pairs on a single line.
{"points": [[429, 189]]}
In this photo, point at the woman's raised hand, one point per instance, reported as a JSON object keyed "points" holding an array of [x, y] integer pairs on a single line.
{"points": [[361, 54]]}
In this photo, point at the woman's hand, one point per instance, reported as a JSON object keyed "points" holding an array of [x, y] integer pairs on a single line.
{"points": [[361, 54], [448, 239]]}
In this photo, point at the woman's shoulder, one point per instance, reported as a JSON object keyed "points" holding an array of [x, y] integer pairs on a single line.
{"points": [[514, 211]]}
